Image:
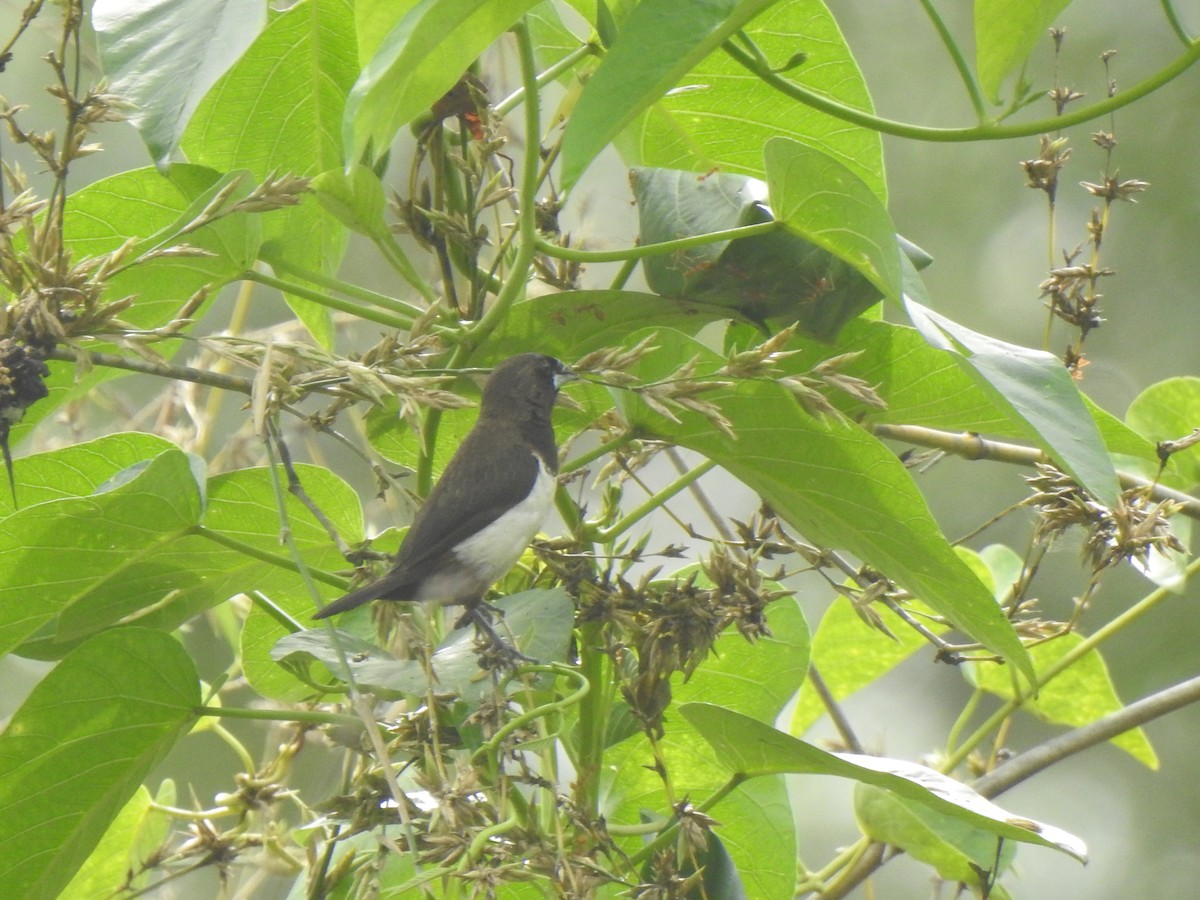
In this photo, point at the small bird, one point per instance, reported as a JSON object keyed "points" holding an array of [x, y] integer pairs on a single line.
{"points": [[488, 504]]}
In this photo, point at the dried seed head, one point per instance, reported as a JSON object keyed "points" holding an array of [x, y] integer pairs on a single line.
{"points": [[1130, 531], [1042, 173]]}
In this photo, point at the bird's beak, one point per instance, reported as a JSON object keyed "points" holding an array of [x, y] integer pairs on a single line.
{"points": [[562, 378]]}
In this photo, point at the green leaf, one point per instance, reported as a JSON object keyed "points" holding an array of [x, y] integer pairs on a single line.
{"points": [[80, 746], [850, 656], [1077, 696], [823, 201], [374, 20], [355, 197], [752, 749], [779, 275], [721, 116], [115, 856], [539, 621], [756, 821], [80, 469], [279, 109], [87, 550], [1006, 31], [956, 849], [572, 323], [422, 57], [164, 55], [1035, 389], [1167, 411], [837, 485], [164, 567], [657, 45], [151, 206]]}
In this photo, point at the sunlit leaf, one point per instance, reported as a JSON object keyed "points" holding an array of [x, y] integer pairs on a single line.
{"points": [[79, 747], [752, 748]]}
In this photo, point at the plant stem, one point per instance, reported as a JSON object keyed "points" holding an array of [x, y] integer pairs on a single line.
{"points": [[1108, 630], [960, 62], [329, 301], [135, 364], [513, 100], [275, 559], [659, 249], [578, 462], [606, 535], [1062, 746], [383, 301], [527, 245], [623, 273], [280, 715], [985, 131], [1176, 25], [971, 446]]}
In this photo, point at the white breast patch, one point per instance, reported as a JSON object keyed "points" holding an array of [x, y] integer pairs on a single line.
{"points": [[495, 549]]}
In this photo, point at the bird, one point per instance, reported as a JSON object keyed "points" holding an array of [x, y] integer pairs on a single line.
{"points": [[489, 503]]}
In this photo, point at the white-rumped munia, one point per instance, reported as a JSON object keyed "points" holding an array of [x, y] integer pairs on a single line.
{"points": [[489, 502]]}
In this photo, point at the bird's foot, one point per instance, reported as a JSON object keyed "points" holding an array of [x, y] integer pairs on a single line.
{"points": [[494, 651]]}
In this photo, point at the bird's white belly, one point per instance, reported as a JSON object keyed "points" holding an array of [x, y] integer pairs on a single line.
{"points": [[494, 550]]}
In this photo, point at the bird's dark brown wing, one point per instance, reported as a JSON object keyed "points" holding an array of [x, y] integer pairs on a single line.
{"points": [[480, 483], [490, 473]]}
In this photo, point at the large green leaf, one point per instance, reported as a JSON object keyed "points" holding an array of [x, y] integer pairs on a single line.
{"points": [[151, 206], [825, 202], [147, 206], [421, 58], [657, 45], [1005, 33], [572, 323], [374, 20], [108, 867], [837, 485], [55, 554], [958, 850], [80, 469], [279, 109], [721, 116], [1078, 696], [752, 749], [790, 274], [164, 55], [1167, 411], [80, 746], [1034, 388], [144, 541]]}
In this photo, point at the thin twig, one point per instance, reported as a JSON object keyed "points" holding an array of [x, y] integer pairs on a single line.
{"points": [[840, 722], [163, 370], [973, 447], [1079, 739]]}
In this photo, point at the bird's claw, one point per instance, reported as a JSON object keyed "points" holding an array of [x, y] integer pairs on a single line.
{"points": [[494, 651]]}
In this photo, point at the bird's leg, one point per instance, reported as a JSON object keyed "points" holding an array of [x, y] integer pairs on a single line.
{"points": [[494, 650]]}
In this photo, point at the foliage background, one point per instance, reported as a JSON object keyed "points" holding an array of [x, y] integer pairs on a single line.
{"points": [[990, 248], [966, 204]]}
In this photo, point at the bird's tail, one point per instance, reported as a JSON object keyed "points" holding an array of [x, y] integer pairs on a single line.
{"points": [[364, 594]]}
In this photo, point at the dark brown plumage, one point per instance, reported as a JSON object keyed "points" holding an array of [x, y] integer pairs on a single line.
{"points": [[489, 502]]}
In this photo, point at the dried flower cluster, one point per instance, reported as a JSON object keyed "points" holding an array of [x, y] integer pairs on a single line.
{"points": [[660, 627], [1071, 290], [1129, 532]]}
